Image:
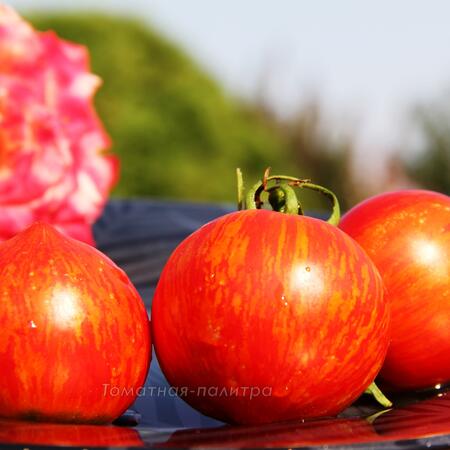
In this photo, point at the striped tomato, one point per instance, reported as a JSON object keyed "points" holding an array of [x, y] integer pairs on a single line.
{"points": [[74, 341], [260, 317], [407, 235]]}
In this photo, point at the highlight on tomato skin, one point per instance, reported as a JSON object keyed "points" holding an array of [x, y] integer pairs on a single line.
{"points": [[407, 236], [75, 341], [272, 301]]}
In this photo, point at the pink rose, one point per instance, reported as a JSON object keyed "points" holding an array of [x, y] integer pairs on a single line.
{"points": [[53, 165]]}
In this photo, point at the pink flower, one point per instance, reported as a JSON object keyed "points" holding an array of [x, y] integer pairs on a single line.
{"points": [[53, 165]]}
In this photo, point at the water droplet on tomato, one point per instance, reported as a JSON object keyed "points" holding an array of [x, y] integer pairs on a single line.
{"points": [[32, 324], [308, 269]]}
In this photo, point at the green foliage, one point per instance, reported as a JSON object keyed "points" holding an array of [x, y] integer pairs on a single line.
{"points": [[431, 168], [177, 133]]}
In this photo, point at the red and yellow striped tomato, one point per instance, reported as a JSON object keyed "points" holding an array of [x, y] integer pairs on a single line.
{"points": [[260, 317], [74, 341], [407, 236]]}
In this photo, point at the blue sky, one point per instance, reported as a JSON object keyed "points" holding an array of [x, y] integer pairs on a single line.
{"points": [[368, 62]]}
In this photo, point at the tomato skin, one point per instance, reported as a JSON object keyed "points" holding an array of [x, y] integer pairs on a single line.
{"points": [[75, 333], [407, 235], [262, 299]]}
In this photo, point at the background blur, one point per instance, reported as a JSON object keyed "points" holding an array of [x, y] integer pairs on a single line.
{"points": [[354, 94]]}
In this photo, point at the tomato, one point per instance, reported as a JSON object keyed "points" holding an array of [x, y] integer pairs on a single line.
{"points": [[260, 317], [407, 236], [52, 435], [74, 341]]}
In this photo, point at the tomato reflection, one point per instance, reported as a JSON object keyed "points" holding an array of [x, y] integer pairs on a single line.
{"points": [[45, 434]]}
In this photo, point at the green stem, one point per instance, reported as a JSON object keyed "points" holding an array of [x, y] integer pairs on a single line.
{"points": [[253, 197], [282, 197], [336, 210], [375, 392], [240, 189]]}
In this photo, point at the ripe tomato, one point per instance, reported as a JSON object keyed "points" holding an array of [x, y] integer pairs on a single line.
{"points": [[74, 341], [407, 235], [260, 316]]}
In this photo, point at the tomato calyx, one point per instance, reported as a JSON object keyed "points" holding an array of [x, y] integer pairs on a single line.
{"points": [[281, 195]]}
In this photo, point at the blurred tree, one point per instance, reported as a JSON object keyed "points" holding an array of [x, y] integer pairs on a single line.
{"points": [[178, 134], [431, 168]]}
